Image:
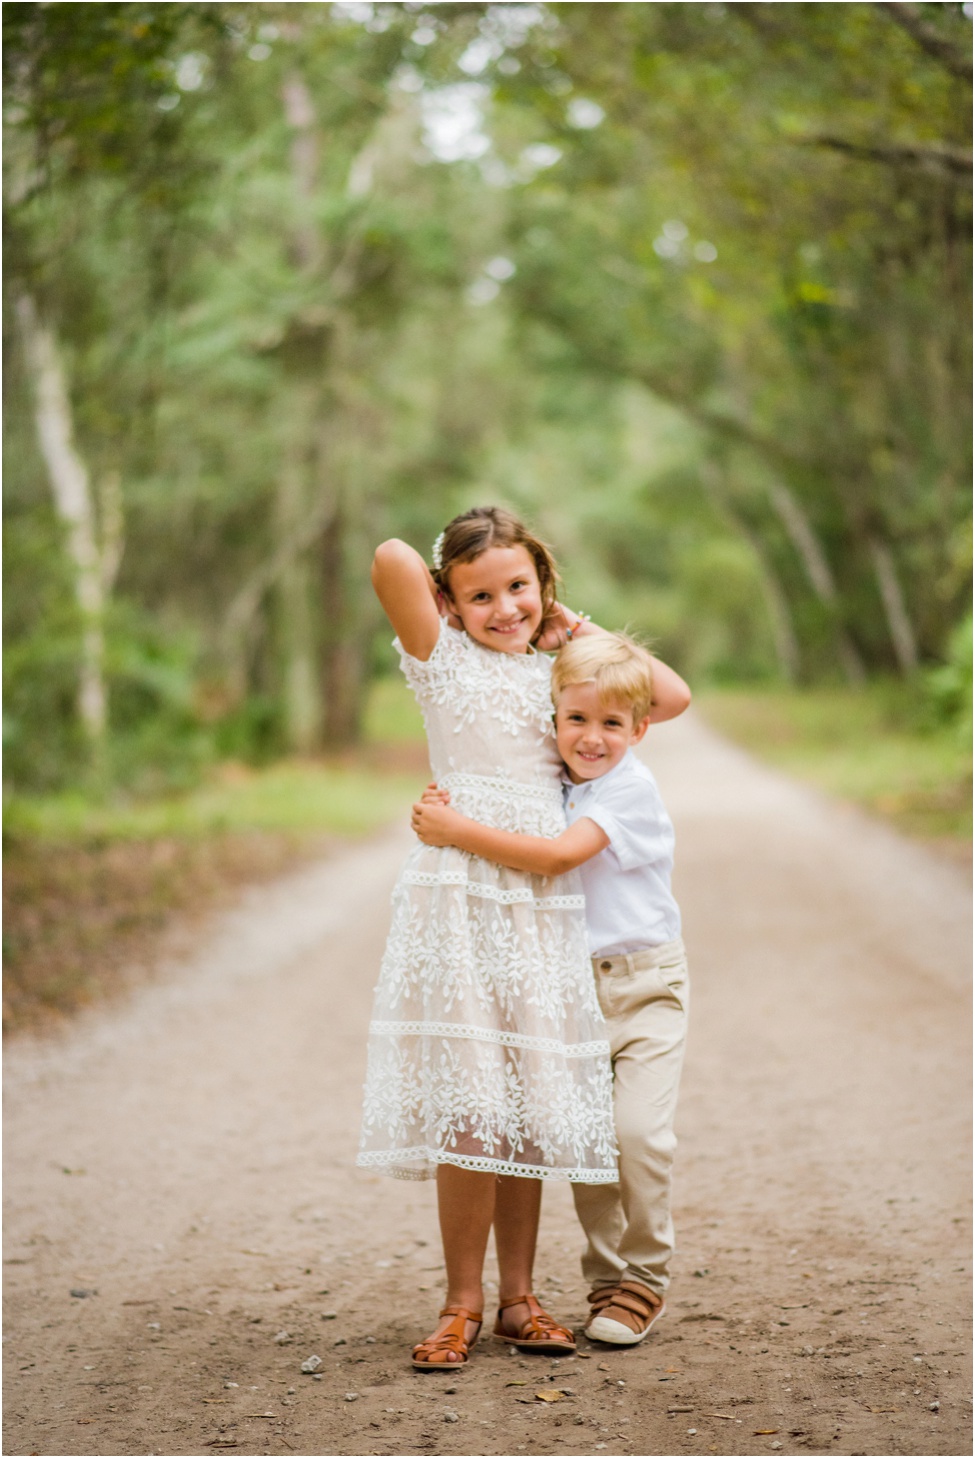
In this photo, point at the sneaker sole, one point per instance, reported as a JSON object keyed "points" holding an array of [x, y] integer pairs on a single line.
{"points": [[602, 1329]]}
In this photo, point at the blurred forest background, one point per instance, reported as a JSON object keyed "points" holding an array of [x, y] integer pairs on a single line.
{"points": [[688, 285]]}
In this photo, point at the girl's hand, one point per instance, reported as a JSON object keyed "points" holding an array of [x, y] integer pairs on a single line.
{"points": [[557, 626], [434, 823]]}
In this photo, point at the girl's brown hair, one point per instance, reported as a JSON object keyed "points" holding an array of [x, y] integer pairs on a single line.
{"points": [[483, 527]]}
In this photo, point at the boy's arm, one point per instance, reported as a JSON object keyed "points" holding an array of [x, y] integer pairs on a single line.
{"points": [[438, 824]]}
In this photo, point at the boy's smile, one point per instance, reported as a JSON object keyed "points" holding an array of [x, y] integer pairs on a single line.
{"points": [[593, 734]]}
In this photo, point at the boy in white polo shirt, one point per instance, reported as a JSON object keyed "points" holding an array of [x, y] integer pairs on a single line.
{"points": [[621, 838]]}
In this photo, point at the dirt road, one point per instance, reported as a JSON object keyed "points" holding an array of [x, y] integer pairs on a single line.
{"points": [[184, 1224]]}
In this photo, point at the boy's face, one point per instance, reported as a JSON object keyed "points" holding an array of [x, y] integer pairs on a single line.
{"points": [[593, 734]]}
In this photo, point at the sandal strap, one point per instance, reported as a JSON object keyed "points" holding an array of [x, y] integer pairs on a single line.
{"points": [[452, 1338], [464, 1311], [538, 1323]]}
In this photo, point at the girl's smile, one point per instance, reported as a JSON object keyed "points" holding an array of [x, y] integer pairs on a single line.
{"points": [[498, 598]]}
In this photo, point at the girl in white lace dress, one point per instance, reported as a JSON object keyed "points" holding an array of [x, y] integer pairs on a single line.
{"points": [[488, 1064]]}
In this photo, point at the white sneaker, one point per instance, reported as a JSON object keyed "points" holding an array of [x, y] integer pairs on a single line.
{"points": [[622, 1315]]}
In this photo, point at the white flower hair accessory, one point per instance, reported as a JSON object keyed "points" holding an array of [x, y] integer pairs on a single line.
{"points": [[436, 553]]}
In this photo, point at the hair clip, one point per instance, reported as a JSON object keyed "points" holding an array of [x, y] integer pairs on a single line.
{"points": [[436, 553]]}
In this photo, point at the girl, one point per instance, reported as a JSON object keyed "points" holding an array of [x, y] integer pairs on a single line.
{"points": [[488, 1066]]}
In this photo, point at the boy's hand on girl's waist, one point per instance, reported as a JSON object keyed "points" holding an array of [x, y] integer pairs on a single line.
{"points": [[433, 795], [433, 823]]}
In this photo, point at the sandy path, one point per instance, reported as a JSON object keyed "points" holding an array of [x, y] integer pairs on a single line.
{"points": [[188, 1158]]}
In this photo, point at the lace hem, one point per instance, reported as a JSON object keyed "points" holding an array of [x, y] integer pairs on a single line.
{"points": [[595, 1049], [392, 1162], [520, 895]]}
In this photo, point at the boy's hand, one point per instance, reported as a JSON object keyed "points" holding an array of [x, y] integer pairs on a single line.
{"points": [[435, 823], [433, 795]]}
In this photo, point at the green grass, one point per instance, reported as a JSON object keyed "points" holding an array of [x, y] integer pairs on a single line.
{"points": [[298, 796], [872, 746], [91, 883]]}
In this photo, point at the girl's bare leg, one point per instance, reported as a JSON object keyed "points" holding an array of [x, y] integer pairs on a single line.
{"points": [[517, 1207], [465, 1204]]}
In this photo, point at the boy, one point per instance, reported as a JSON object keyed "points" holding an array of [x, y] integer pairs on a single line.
{"points": [[621, 838]]}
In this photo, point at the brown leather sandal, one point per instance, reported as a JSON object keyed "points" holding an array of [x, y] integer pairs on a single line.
{"points": [[538, 1332], [432, 1355]]}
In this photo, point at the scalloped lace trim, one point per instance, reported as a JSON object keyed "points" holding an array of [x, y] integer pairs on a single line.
{"points": [[598, 1048], [520, 895], [458, 781], [393, 1162]]}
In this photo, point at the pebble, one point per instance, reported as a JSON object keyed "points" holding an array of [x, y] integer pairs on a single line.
{"points": [[228, 1385], [339, 1342], [310, 1364], [317, 1377], [329, 1315], [81, 1292], [352, 1397], [449, 1390], [776, 1444], [370, 1341], [692, 1431], [934, 1407], [282, 1337], [291, 1391], [450, 1416]]}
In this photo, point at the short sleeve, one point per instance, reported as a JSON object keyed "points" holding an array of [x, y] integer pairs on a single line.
{"points": [[432, 673], [636, 823]]}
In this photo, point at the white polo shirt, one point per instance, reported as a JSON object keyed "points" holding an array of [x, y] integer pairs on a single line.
{"points": [[629, 905]]}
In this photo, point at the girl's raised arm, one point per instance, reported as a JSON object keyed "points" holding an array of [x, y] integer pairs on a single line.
{"points": [[409, 596]]}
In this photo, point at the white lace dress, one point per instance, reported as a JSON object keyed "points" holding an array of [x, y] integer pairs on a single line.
{"points": [[487, 1048]]}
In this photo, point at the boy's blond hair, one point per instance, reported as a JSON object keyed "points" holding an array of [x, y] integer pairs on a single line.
{"points": [[619, 666]]}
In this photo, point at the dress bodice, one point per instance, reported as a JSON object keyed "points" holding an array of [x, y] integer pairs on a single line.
{"points": [[488, 718]]}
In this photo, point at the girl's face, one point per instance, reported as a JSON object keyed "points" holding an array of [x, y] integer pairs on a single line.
{"points": [[498, 598]]}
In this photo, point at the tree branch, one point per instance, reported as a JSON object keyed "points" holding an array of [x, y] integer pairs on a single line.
{"points": [[909, 18], [897, 154]]}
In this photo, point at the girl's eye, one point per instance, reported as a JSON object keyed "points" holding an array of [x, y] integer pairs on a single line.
{"points": [[517, 584]]}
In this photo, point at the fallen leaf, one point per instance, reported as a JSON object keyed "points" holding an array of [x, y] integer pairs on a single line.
{"points": [[221, 1443], [216, 1399], [808, 1276], [516, 1384], [882, 1409], [260, 1414], [552, 1394], [680, 1409], [764, 1432], [729, 1417], [602, 1367], [666, 1369]]}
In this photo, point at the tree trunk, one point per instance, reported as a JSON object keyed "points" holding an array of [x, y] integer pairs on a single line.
{"points": [[895, 608], [72, 497], [784, 639], [343, 657], [803, 538], [295, 610]]}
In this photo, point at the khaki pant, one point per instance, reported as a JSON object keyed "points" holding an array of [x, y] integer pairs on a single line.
{"points": [[644, 998]]}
